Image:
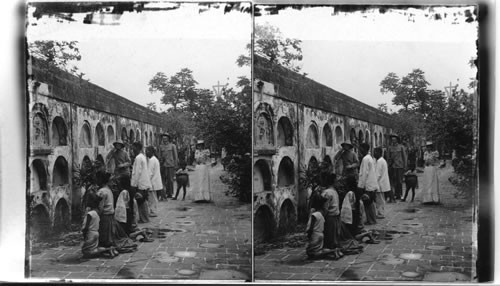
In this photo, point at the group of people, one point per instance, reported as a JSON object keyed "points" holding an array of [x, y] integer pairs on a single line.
{"points": [[355, 194], [127, 193]]}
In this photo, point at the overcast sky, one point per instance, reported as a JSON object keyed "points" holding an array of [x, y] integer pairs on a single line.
{"points": [[127, 51], [353, 52]]}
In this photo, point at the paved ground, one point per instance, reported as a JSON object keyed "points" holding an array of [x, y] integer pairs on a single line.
{"points": [[438, 238], [204, 241]]}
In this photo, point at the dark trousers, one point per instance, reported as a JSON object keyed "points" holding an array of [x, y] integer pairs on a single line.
{"points": [[357, 219], [168, 180], [411, 183], [182, 182], [396, 178]]}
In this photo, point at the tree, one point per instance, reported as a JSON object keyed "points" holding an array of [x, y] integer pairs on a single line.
{"points": [[173, 89], [383, 107], [152, 106], [56, 55], [270, 43], [409, 91]]}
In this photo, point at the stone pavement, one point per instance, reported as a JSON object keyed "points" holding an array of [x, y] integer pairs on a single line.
{"points": [[430, 243], [203, 241]]}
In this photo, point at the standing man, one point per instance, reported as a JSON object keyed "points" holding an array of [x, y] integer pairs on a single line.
{"points": [[346, 167], [396, 158], [155, 177], [368, 182], [141, 182], [118, 161], [384, 185], [169, 161]]}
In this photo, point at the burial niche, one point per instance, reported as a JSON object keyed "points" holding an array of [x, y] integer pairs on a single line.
{"points": [[264, 224], [327, 136], [59, 132], [285, 132], [286, 176], [261, 177], [312, 137], [60, 174]]}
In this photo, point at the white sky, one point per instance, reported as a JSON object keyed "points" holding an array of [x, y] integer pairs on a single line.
{"points": [[352, 53], [123, 58]]}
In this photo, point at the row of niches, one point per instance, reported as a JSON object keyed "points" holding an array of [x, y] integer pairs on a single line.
{"points": [[263, 177], [264, 134], [286, 172], [59, 134], [60, 172]]}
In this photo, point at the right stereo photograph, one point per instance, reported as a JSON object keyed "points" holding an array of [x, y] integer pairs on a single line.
{"points": [[365, 138]]}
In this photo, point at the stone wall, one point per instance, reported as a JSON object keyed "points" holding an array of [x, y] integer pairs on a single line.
{"points": [[298, 122], [72, 121]]}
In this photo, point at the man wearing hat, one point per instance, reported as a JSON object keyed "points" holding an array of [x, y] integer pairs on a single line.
{"points": [[168, 160], [346, 168], [397, 160], [118, 160]]}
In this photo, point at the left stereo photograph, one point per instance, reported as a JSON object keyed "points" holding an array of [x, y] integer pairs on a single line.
{"points": [[139, 136]]}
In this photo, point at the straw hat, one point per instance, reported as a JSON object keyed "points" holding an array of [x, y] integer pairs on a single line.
{"points": [[120, 142], [347, 142]]}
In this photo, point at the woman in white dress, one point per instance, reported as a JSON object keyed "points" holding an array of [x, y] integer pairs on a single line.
{"points": [[430, 190], [200, 191]]}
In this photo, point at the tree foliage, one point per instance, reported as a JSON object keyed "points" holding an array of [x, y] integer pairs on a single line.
{"points": [[56, 55], [410, 92], [448, 121], [176, 89], [270, 43]]}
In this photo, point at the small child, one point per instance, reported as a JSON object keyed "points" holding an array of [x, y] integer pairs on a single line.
{"points": [[90, 231], [411, 181], [182, 179]]}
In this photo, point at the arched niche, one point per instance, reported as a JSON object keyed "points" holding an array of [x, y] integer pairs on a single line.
{"points": [[327, 137], [367, 137], [151, 138], [361, 137], [352, 136], [287, 217], [264, 135], [138, 135], [285, 132], [100, 161], [85, 135], [376, 140], [40, 130], [38, 176], [131, 136], [312, 136], [61, 216], [60, 173], [111, 134], [99, 134], [327, 162], [261, 177], [313, 163], [86, 163], [124, 135], [264, 224], [286, 172], [59, 132], [339, 137], [380, 138], [146, 139]]}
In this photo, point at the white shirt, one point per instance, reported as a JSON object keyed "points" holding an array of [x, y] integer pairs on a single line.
{"points": [[140, 173], [382, 175], [154, 173], [367, 175]]}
